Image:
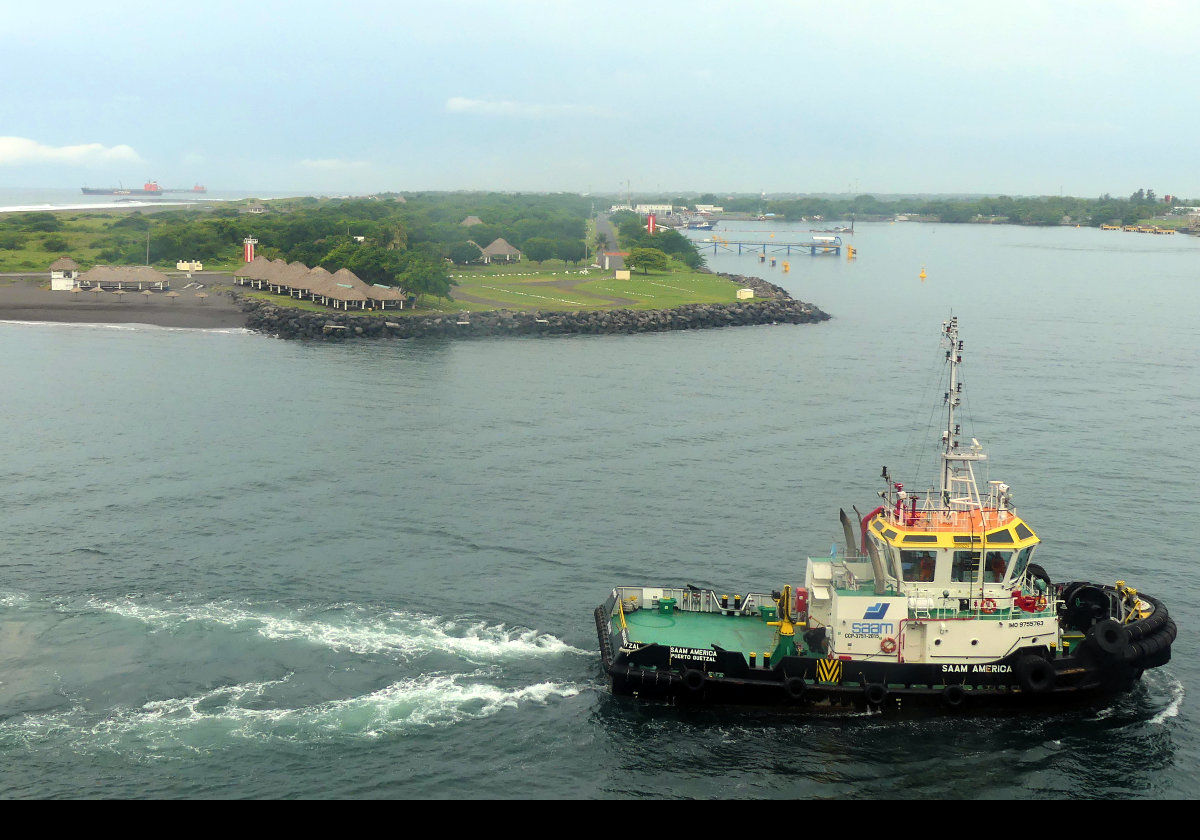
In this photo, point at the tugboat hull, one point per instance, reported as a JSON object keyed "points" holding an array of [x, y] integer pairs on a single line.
{"points": [[1101, 663]]}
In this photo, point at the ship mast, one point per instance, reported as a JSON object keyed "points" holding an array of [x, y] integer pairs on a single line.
{"points": [[959, 490]]}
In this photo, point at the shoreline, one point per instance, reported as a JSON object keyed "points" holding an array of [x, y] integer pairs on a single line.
{"points": [[775, 306], [25, 301]]}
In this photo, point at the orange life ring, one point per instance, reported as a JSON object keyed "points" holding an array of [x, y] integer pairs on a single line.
{"points": [[988, 605], [888, 645], [1040, 604]]}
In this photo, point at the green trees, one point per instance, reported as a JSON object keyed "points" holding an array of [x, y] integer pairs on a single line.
{"points": [[647, 260], [570, 250], [423, 276], [539, 248], [464, 252]]}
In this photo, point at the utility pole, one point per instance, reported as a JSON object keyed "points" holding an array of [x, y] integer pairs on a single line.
{"points": [[147, 243]]}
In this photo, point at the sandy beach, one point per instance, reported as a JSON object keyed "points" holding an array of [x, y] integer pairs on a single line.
{"points": [[30, 299]]}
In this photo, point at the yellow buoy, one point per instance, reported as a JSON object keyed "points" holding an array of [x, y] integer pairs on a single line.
{"points": [[922, 274], [787, 266]]}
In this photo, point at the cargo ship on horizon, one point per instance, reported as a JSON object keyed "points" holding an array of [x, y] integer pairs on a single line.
{"points": [[150, 188]]}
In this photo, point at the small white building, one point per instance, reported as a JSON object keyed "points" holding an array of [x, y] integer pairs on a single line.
{"points": [[745, 294], [646, 209], [64, 272], [189, 265], [709, 208]]}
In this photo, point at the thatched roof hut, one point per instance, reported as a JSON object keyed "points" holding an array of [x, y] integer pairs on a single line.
{"points": [[471, 221], [289, 276], [501, 250], [256, 269], [124, 277], [311, 282], [64, 264]]}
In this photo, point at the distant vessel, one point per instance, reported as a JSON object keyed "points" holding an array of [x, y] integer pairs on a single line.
{"points": [[701, 224], [198, 188], [149, 188]]}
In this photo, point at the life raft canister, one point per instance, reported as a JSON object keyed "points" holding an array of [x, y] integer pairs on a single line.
{"points": [[801, 603]]}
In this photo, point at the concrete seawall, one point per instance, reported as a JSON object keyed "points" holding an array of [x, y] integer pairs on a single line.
{"points": [[286, 322]]}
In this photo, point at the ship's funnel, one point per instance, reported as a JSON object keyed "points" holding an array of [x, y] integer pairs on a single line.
{"points": [[872, 552], [848, 530]]}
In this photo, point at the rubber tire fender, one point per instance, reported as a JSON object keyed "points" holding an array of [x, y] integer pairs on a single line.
{"points": [[693, 680], [954, 695], [1111, 637], [875, 693], [1148, 626], [794, 688], [1034, 674]]}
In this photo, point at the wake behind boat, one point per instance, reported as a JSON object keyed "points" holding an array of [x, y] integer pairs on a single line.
{"points": [[934, 601]]}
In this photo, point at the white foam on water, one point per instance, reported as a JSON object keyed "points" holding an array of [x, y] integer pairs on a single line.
{"points": [[353, 629], [1177, 692], [130, 327], [221, 716], [12, 599]]}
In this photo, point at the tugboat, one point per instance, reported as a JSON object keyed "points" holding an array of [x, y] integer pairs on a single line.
{"points": [[934, 602]]}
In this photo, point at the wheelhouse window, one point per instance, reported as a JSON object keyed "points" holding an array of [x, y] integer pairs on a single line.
{"points": [[1022, 562], [995, 566], [965, 567], [918, 566]]}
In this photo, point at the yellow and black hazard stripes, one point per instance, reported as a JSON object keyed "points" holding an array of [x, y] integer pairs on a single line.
{"points": [[829, 670]]}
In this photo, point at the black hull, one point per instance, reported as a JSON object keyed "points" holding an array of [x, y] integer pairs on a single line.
{"points": [[91, 191], [1030, 678]]}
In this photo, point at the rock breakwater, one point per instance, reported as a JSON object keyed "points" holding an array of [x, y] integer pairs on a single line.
{"points": [[287, 322]]}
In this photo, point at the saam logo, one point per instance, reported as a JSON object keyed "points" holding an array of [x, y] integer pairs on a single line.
{"points": [[876, 612]]}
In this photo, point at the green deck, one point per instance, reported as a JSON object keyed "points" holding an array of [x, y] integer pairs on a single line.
{"points": [[700, 630]]}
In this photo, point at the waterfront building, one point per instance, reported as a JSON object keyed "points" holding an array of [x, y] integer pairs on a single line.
{"points": [[63, 272], [341, 290]]}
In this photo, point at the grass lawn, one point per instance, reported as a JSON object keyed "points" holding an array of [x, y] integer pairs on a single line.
{"points": [[526, 287]]}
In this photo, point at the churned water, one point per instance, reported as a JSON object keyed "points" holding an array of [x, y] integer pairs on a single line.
{"points": [[237, 566]]}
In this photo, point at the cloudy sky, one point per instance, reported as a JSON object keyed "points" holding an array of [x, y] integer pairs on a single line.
{"points": [[1017, 97]]}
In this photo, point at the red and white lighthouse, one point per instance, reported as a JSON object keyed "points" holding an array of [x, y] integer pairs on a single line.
{"points": [[650, 223], [248, 248]]}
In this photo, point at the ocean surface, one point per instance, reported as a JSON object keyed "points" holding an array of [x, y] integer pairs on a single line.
{"points": [[242, 567], [49, 198]]}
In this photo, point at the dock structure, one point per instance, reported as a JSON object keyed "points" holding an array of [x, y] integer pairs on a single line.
{"points": [[817, 245]]}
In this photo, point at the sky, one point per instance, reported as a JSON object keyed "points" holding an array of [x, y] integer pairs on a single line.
{"points": [[1028, 98]]}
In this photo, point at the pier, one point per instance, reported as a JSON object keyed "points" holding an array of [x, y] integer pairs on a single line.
{"points": [[818, 245]]}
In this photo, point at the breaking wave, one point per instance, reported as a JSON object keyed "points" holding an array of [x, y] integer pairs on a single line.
{"points": [[220, 716], [1176, 693], [352, 629]]}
